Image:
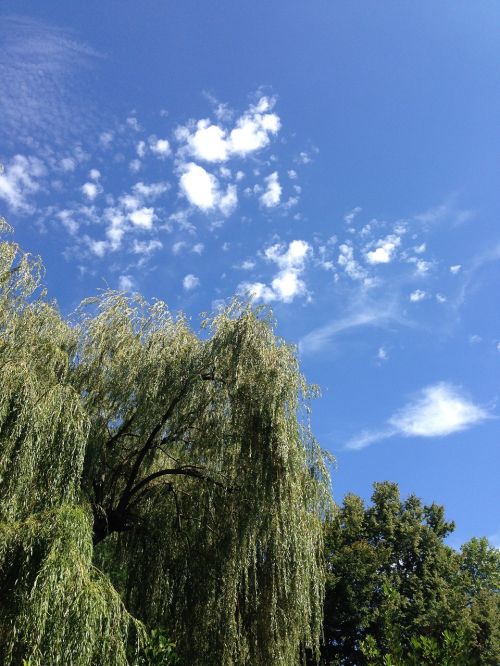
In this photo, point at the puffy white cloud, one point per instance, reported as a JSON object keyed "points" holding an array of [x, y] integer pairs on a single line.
{"points": [[94, 174], [417, 295], [257, 291], [142, 217], [20, 180], [384, 250], [190, 282], [287, 283], [199, 186], [212, 143], [271, 197], [201, 189], [90, 190], [209, 142], [160, 147], [423, 267], [438, 410]]}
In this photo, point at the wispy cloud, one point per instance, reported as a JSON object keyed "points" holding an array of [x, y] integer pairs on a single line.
{"points": [[39, 65], [438, 410], [365, 313]]}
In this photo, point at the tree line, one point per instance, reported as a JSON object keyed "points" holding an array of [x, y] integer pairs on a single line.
{"points": [[163, 501]]}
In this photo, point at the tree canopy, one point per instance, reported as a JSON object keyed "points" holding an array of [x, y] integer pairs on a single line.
{"points": [[397, 594], [152, 477]]}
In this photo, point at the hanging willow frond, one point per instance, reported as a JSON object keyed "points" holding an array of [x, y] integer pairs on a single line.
{"points": [[183, 467]]}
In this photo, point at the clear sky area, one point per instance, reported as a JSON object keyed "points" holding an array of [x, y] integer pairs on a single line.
{"points": [[337, 160]]}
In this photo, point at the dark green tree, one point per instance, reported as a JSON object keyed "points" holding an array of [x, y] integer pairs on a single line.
{"points": [[150, 477], [397, 594]]}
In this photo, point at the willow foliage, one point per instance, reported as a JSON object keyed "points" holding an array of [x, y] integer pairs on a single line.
{"points": [[153, 477]]}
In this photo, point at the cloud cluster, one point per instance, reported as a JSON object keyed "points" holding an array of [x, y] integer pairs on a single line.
{"points": [[287, 283], [20, 180], [210, 142]]}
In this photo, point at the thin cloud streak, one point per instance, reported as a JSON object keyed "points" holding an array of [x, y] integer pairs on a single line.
{"points": [[372, 314]]}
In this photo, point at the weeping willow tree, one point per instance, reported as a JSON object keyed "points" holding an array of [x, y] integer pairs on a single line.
{"points": [[151, 477]]}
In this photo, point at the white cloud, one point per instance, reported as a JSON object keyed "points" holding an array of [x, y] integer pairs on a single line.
{"points": [[438, 410], [106, 139], [212, 143], [349, 217], [384, 250], [159, 147], [201, 189], [246, 265], [382, 354], [198, 248], [68, 164], [152, 191], [349, 264], [125, 283], [133, 123], [271, 197], [287, 283], [422, 266], [90, 190], [190, 282], [363, 314], [39, 64], [20, 180], [227, 202], [417, 295], [199, 186], [141, 148], [146, 247], [257, 291], [455, 269], [94, 174], [135, 166], [142, 217], [209, 142], [178, 247]]}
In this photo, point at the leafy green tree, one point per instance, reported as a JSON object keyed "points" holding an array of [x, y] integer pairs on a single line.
{"points": [[397, 594], [153, 477]]}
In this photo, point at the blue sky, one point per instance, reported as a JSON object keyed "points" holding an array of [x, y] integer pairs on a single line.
{"points": [[337, 160]]}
